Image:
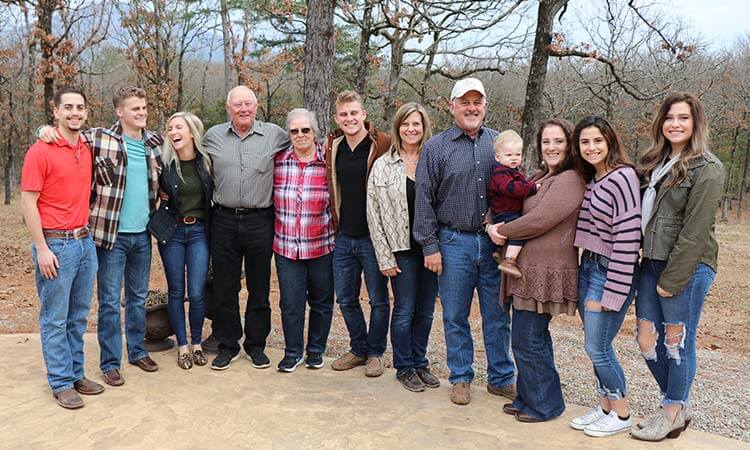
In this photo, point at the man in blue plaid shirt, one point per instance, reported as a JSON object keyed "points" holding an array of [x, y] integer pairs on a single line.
{"points": [[451, 204]]}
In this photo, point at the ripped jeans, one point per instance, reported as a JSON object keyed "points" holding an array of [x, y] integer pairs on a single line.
{"points": [[672, 363], [601, 327]]}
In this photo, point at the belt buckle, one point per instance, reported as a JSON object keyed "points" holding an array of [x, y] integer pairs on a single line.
{"points": [[241, 210], [77, 232], [190, 220]]}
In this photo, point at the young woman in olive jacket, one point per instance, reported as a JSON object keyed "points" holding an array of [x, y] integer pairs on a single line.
{"points": [[684, 181], [180, 226]]}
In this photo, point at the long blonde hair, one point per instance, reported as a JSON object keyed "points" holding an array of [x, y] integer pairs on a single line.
{"points": [[169, 154], [660, 147]]}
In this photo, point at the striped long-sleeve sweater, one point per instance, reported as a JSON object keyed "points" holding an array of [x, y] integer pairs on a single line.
{"points": [[609, 224]]}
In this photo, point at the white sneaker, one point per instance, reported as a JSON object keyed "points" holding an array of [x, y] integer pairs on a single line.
{"points": [[608, 425], [594, 414]]}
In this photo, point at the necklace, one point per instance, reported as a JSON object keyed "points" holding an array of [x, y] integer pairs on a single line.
{"points": [[411, 164]]}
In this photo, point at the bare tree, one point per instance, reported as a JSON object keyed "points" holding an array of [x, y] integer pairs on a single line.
{"points": [[453, 39]]}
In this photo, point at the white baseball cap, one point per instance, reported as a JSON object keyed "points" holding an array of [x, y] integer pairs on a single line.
{"points": [[467, 84]]}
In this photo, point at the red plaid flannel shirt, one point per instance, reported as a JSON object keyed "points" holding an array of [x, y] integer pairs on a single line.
{"points": [[303, 228]]}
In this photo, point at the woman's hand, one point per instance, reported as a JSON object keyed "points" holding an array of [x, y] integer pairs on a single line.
{"points": [[496, 237], [48, 134], [663, 292], [391, 272]]}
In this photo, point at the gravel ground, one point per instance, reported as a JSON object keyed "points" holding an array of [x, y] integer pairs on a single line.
{"points": [[720, 393]]}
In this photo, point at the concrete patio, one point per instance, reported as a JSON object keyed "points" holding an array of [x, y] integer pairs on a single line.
{"points": [[263, 409]]}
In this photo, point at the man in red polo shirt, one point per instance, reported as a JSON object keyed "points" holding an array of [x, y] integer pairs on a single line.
{"points": [[56, 188]]}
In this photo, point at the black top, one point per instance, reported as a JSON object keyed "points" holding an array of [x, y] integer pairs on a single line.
{"points": [[351, 172], [411, 189]]}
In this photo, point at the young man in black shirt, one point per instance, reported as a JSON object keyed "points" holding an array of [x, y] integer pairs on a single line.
{"points": [[350, 152]]}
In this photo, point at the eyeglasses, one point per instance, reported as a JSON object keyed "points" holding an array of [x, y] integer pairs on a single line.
{"points": [[296, 131]]}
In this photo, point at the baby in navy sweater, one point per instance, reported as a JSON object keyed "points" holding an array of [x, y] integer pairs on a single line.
{"points": [[506, 191]]}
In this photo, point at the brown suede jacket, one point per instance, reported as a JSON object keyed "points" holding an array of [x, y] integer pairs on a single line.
{"points": [[380, 144]]}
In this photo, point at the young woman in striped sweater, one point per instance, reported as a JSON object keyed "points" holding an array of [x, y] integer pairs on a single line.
{"points": [[609, 233]]}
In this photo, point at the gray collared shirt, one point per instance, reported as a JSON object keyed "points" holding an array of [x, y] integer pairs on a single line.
{"points": [[243, 167]]}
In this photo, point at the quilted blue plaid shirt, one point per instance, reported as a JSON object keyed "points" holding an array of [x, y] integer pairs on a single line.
{"points": [[452, 177]]}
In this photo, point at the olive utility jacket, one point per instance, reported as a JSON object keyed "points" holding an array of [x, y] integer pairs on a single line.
{"points": [[681, 230]]}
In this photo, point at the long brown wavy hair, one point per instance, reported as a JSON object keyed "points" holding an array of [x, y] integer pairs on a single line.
{"points": [[616, 156], [660, 146]]}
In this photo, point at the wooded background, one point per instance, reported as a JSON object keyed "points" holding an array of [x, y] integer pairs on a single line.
{"points": [[537, 59]]}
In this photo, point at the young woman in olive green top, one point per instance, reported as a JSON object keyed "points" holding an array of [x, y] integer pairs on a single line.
{"points": [[180, 226], [683, 187]]}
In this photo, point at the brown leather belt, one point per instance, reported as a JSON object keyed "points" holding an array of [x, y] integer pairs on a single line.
{"points": [[78, 233]]}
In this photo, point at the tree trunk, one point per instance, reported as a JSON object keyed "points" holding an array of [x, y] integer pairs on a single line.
{"points": [[363, 65], [537, 76], [9, 151], [318, 83], [394, 76], [28, 106], [227, 44], [204, 76], [269, 101], [44, 11], [431, 51], [743, 178], [726, 202], [180, 80]]}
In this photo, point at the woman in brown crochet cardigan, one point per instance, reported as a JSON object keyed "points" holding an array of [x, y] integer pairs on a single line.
{"points": [[549, 263]]}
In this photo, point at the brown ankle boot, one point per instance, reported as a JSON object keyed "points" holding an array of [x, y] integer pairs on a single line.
{"points": [[497, 255], [510, 267]]}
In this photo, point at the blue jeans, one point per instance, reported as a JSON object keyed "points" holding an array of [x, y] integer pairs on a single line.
{"points": [[601, 327], [414, 293], [538, 386], [186, 252], [468, 265], [673, 366], [65, 302], [128, 261], [351, 257], [300, 282]]}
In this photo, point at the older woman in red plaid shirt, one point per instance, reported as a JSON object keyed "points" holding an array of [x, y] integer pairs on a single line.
{"points": [[303, 242]]}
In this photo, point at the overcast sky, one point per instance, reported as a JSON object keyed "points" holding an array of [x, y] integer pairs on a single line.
{"points": [[719, 21]]}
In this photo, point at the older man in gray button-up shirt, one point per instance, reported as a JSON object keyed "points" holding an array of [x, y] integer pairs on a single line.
{"points": [[242, 151]]}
